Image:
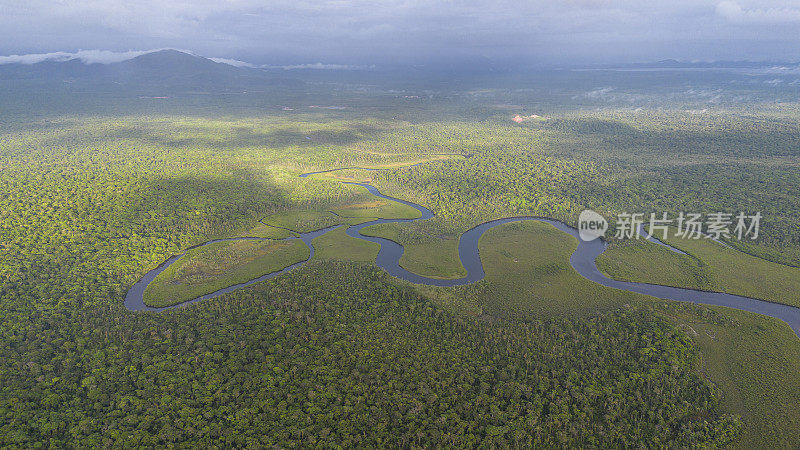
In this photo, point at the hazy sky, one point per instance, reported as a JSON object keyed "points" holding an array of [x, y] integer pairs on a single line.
{"points": [[411, 31]]}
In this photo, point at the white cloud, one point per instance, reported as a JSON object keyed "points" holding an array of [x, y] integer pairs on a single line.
{"points": [[86, 56], [734, 12], [601, 93], [233, 62]]}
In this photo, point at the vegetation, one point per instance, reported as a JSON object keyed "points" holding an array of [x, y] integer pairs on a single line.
{"points": [[332, 355], [613, 162], [632, 260], [367, 207], [528, 274], [209, 268], [263, 230], [302, 221], [752, 358], [430, 256], [338, 245], [707, 265], [753, 361], [340, 354]]}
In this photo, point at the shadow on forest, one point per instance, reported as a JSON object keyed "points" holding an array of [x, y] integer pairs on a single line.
{"points": [[592, 126], [171, 204], [217, 135], [247, 136], [760, 139]]}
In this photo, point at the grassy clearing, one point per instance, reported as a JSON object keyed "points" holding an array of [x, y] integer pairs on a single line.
{"points": [[302, 221], [755, 361], [365, 207], [207, 269], [436, 259], [417, 160], [267, 231], [338, 245], [528, 275], [376, 207], [347, 175], [709, 266], [424, 255], [633, 260]]}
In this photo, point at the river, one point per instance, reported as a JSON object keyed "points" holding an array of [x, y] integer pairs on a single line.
{"points": [[582, 260]]}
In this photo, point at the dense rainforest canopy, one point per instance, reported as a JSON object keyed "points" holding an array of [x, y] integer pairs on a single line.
{"points": [[337, 353]]}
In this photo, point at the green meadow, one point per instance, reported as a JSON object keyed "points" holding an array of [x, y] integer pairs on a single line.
{"points": [[708, 265], [430, 256], [206, 269]]}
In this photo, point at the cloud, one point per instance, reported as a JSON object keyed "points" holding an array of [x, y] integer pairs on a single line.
{"points": [[734, 12], [86, 56], [424, 32], [601, 93], [233, 62]]}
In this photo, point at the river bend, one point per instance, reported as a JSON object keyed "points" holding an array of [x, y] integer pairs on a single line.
{"points": [[582, 260]]}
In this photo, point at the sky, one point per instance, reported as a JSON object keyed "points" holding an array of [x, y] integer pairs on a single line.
{"points": [[348, 33]]}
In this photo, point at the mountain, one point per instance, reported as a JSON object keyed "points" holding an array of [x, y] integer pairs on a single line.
{"points": [[172, 65], [170, 69]]}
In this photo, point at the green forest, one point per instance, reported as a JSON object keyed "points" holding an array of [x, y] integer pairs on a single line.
{"points": [[339, 354]]}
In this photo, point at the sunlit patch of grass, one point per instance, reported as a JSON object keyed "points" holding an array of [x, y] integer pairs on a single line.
{"points": [[709, 265], [302, 221], [267, 231], [429, 256], [215, 266], [336, 244], [644, 261], [378, 208]]}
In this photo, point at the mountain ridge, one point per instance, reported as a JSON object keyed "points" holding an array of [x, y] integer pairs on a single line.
{"points": [[167, 67]]}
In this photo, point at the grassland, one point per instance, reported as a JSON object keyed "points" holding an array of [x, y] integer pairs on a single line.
{"points": [[638, 260], [708, 266], [215, 266], [363, 207], [528, 275], [430, 256], [376, 208], [337, 245]]}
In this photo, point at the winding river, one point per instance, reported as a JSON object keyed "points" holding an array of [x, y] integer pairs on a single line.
{"points": [[582, 260]]}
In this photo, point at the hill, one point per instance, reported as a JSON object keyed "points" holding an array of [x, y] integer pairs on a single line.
{"points": [[164, 68]]}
